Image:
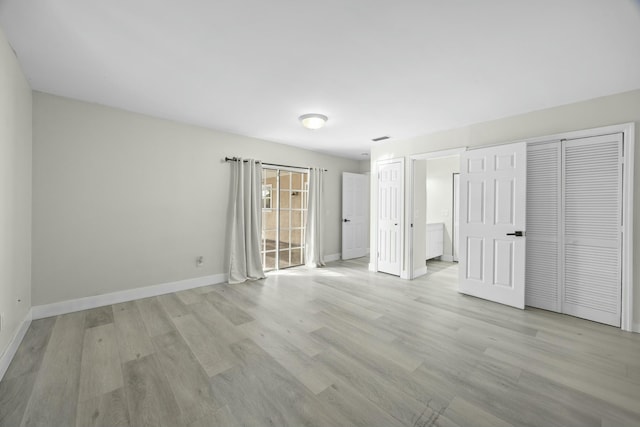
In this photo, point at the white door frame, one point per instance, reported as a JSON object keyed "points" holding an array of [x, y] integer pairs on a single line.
{"points": [[455, 246], [409, 273], [373, 266]]}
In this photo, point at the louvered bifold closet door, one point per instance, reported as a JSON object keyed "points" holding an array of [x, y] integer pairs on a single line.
{"points": [[592, 228], [544, 201]]}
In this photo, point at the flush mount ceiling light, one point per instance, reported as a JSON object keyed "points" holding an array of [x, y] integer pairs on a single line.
{"points": [[313, 121]]}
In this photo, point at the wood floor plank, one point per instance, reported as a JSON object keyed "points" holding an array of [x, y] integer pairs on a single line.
{"points": [[133, 340], [155, 319], [355, 408], [188, 297], [218, 324], [173, 305], [29, 355], [336, 321], [99, 316], [377, 389], [14, 396], [300, 365], [189, 381], [260, 392], [609, 389], [221, 417], [100, 370], [55, 393], [107, 410], [150, 400], [381, 364], [235, 314], [463, 413], [212, 352]]}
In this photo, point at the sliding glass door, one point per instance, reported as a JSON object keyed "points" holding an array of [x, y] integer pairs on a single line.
{"points": [[284, 213]]}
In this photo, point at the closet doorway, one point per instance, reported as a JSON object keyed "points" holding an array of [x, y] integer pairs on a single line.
{"points": [[575, 227], [284, 214]]}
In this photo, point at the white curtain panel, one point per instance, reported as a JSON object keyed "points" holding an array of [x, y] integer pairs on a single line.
{"points": [[314, 229], [245, 220]]}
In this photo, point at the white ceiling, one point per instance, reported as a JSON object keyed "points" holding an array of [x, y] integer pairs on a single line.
{"points": [[398, 68]]}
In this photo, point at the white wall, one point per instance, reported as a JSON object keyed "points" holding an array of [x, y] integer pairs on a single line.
{"points": [[365, 166], [604, 111], [15, 194], [123, 200], [440, 195]]}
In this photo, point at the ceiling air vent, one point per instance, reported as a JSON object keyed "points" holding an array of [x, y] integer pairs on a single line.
{"points": [[380, 138]]}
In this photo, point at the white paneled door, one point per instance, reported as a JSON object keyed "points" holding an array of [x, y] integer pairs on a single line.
{"points": [[390, 208], [492, 223], [355, 203]]}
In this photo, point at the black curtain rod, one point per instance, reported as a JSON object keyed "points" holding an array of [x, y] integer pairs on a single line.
{"points": [[235, 159]]}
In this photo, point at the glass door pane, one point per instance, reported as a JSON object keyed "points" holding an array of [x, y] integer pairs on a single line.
{"points": [[284, 207]]}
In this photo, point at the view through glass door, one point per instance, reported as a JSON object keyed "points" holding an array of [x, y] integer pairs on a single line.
{"points": [[284, 213]]}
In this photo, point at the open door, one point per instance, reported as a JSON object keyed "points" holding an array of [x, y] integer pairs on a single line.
{"points": [[355, 209], [390, 210], [492, 223]]}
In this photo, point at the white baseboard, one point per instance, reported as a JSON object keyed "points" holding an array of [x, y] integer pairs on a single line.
{"points": [[7, 356], [372, 267], [420, 272], [64, 307], [635, 328], [332, 257], [447, 258], [404, 275]]}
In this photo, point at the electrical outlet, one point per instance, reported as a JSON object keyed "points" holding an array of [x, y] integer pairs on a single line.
{"points": [[199, 261]]}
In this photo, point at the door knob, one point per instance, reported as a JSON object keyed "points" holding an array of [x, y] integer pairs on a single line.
{"points": [[516, 233]]}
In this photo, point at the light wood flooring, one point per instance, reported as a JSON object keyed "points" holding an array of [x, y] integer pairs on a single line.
{"points": [[338, 346]]}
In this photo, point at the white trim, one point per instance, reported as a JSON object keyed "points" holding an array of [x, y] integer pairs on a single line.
{"points": [[12, 348], [454, 152], [70, 306], [447, 258], [628, 131], [636, 328], [410, 218], [372, 267], [332, 257], [583, 133], [420, 272], [438, 154]]}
